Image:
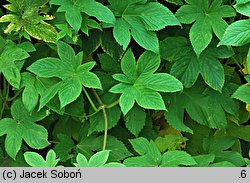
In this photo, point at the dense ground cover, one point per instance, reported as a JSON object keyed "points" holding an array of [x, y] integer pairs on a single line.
{"points": [[124, 83]]}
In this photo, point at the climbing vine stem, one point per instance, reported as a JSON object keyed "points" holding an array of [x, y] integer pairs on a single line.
{"points": [[89, 98], [105, 119]]}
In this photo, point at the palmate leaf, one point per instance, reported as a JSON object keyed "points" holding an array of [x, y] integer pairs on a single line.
{"points": [[237, 34], [144, 147], [207, 108], [69, 91], [36, 160], [113, 115], [110, 45], [161, 82], [170, 142], [225, 98], [51, 67], [204, 160], [89, 23], [242, 1], [64, 147], [97, 160], [42, 31], [96, 9], [188, 66], [34, 87], [135, 120], [22, 127], [74, 8], [241, 132], [150, 156], [139, 20], [92, 143], [181, 45], [81, 161], [150, 99], [219, 146], [140, 161], [187, 69], [176, 158], [48, 94], [243, 93], [243, 7], [8, 65], [212, 72], [30, 97], [127, 98], [70, 70], [26, 14], [122, 33], [67, 54], [128, 65], [207, 18], [140, 84]]}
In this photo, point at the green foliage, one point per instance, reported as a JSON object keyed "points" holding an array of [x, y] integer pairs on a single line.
{"points": [[92, 143], [139, 83], [208, 19], [11, 53], [64, 147], [140, 19], [201, 107], [115, 83], [97, 160], [187, 66], [23, 127], [28, 15], [243, 7], [151, 156], [135, 120], [242, 93], [74, 8], [36, 160], [70, 70], [170, 142], [237, 34]]}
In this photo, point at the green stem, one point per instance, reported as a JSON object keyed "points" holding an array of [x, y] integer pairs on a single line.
{"points": [[6, 91], [237, 63], [87, 116], [1, 95], [90, 100], [99, 108], [105, 128], [97, 98], [232, 3], [112, 104], [4, 87], [102, 106], [15, 96], [161, 67], [54, 142]]}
